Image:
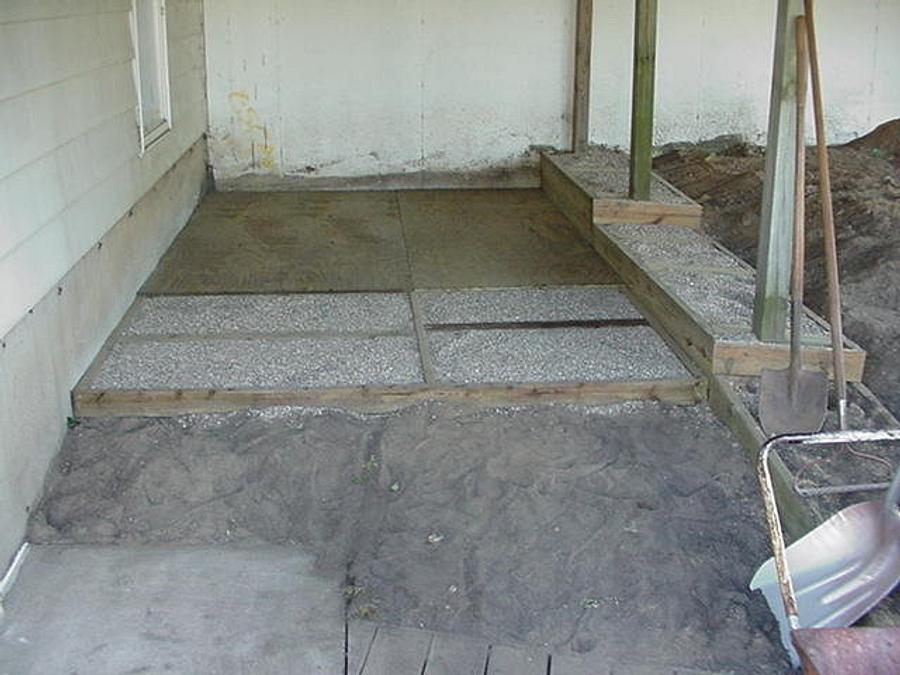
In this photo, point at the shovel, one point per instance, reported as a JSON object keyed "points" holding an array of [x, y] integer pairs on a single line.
{"points": [[843, 568], [794, 400]]}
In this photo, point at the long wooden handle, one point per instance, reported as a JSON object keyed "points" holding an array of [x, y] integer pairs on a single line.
{"points": [[799, 205], [831, 259]]}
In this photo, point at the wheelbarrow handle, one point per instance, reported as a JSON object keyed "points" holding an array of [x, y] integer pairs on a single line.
{"points": [[776, 533], [773, 519], [892, 501]]}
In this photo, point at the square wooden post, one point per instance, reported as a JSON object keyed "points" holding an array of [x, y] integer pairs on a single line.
{"points": [[770, 307], [642, 94], [581, 109]]}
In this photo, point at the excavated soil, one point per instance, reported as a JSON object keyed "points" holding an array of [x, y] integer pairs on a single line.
{"points": [[628, 529], [727, 178]]}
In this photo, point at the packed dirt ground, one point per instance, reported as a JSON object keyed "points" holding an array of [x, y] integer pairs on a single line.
{"points": [[727, 178], [630, 531]]}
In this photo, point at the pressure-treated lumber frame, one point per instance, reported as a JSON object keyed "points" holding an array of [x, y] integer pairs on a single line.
{"points": [[151, 403]]}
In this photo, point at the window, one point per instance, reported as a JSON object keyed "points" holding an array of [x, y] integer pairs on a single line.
{"points": [[151, 69]]}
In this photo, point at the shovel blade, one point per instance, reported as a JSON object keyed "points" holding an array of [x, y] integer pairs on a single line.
{"points": [[840, 571], [800, 413]]}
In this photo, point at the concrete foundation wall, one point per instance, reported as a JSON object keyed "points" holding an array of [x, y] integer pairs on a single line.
{"points": [[344, 88], [349, 88], [45, 354]]}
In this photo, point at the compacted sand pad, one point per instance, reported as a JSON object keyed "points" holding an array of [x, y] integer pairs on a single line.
{"points": [[628, 531]]}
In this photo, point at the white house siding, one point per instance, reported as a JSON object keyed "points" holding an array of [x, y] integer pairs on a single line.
{"points": [[69, 172]]}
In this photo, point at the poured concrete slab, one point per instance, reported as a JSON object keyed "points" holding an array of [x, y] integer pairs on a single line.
{"points": [[525, 304], [111, 610], [313, 312], [552, 355], [258, 363], [246, 242], [482, 238], [295, 242]]}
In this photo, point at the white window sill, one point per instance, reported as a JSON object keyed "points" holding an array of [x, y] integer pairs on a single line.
{"points": [[152, 136]]}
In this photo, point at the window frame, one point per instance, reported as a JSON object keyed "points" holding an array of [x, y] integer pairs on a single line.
{"points": [[148, 137]]}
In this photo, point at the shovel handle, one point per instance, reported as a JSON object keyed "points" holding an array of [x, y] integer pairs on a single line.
{"points": [[799, 240], [892, 500], [831, 261]]}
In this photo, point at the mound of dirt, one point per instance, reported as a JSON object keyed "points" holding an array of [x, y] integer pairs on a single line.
{"points": [[866, 189]]}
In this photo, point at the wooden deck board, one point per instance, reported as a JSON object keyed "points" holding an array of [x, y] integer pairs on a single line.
{"points": [[398, 651], [453, 655], [360, 635], [514, 661]]}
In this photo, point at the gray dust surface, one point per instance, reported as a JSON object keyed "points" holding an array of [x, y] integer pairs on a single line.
{"points": [[630, 529]]}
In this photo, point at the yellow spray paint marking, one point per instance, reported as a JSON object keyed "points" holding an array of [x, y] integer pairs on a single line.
{"points": [[261, 152]]}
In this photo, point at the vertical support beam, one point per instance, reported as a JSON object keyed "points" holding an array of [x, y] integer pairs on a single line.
{"points": [[642, 94], [584, 40], [770, 307]]}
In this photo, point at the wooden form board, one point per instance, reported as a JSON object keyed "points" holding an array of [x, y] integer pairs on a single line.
{"points": [[159, 403], [683, 325], [585, 210]]}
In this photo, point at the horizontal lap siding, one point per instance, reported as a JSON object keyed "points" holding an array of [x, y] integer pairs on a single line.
{"points": [[70, 166]]}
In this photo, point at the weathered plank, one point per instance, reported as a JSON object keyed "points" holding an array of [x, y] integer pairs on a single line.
{"points": [[516, 661], [585, 208], [567, 664], [743, 358], [611, 211], [642, 95], [397, 651], [360, 635], [453, 655], [124, 403], [575, 204], [581, 109], [731, 410]]}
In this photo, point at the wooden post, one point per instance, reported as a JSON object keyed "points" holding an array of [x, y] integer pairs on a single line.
{"points": [[581, 109], [770, 308], [642, 98]]}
